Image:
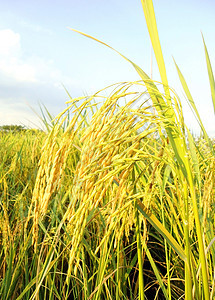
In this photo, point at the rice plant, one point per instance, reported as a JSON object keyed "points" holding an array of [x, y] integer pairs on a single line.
{"points": [[116, 201]]}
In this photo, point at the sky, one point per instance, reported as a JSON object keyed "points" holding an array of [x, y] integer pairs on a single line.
{"points": [[40, 56]]}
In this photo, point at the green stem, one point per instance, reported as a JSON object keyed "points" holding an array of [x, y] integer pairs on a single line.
{"points": [[202, 255], [139, 247], [188, 279], [139, 254]]}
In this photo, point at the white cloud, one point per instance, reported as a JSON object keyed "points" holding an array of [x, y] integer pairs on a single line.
{"points": [[10, 42], [11, 63], [27, 80], [19, 71], [34, 69]]}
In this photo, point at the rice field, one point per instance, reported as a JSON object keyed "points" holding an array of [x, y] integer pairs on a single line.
{"points": [[114, 201]]}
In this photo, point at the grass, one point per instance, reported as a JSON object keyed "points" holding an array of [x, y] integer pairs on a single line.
{"points": [[115, 201]]}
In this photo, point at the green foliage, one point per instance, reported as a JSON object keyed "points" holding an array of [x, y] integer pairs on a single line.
{"points": [[116, 201], [12, 128]]}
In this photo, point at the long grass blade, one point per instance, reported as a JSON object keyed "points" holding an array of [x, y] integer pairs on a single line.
{"points": [[193, 106], [162, 230], [210, 74], [153, 33]]}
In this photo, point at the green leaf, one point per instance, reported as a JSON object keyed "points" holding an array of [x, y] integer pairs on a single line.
{"points": [[194, 157], [156, 270], [161, 229], [210, 74], [153, 33], [155, 94], [191, 101]]}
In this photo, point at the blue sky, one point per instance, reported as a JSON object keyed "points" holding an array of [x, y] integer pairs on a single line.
{"points": [[39, 54]]}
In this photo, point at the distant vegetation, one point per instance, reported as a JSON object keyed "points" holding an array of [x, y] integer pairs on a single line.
{"points": [[16, 129], [12, 128], [115, 201]]}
